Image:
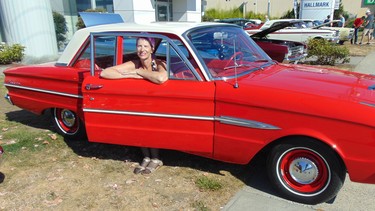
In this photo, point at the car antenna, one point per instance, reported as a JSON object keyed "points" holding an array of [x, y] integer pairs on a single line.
{"points": [[235, 65]]}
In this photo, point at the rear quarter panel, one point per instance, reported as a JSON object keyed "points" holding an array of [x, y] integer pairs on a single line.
{"points": [[37, 88]]}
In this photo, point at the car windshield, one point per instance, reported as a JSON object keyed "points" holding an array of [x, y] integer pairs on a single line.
{"points": [[227, 51]]}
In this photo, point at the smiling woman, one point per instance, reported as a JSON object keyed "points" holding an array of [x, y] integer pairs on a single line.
{"points": [[145, 67]]}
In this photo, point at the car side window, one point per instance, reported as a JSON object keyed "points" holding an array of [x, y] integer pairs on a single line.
{"points": [[178, 68], [105, 49]]}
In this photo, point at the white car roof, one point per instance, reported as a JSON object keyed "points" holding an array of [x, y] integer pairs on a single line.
{"points": [[177, 28]]}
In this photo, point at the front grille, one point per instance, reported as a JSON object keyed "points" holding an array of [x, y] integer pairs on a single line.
{"points": [[296, 51]]}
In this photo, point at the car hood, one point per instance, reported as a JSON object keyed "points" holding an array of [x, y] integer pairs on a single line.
{"points": [[309, 90], [272, 29]]}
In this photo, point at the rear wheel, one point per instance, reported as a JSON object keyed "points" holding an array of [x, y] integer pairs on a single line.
{"points": [[67, 123], [306, 171]]}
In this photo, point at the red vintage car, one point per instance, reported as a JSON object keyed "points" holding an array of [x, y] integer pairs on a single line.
{"points": [[225, 99]]}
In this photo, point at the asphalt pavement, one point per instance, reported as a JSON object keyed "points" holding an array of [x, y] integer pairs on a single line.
{"points": [[366, 65]]}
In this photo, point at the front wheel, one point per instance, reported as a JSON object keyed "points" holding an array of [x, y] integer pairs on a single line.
{"points": [[67, 123], [305, 171]]}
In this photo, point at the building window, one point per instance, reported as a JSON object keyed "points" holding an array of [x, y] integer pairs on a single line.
{"points": [[106, 4], [164, 10], [83, 5]]}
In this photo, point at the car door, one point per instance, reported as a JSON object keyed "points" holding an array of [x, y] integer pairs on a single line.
{"points": [[177, 114]]}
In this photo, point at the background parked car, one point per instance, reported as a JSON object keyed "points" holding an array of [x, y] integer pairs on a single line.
{"points": [[280, 50], [296, 32], [346, 33], [243, 22]]}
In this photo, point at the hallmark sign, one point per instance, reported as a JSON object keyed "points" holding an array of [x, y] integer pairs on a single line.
{"points": [[317, 9], [317, 4]]}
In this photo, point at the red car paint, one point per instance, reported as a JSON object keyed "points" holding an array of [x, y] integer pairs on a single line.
{"points": [[230, 108]]}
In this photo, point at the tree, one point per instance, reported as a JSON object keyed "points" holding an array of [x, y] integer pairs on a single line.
{"points": [[60, 27], [338, 12], [290, 13]]}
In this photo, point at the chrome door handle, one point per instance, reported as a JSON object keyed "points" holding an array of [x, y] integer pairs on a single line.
{"points": [[93, 86]]}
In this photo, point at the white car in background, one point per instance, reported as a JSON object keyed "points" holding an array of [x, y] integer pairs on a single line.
{"points": [[296, 32], [346, 33]]}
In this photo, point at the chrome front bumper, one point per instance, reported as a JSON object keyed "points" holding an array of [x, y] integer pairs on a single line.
{"points": [[7, 97]]}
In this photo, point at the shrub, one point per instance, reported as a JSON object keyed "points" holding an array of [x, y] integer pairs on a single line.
{"points": [[212, 14], [60, 27], [9, 54], [327, 53]]}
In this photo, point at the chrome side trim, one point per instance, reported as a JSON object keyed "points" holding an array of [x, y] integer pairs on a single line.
{"points": [[43, 90], [246, 123], [367, 104], [221, 119], [7, 97], [206, 118]]}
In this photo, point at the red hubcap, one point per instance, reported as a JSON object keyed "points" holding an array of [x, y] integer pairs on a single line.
{"points": [[304, 171], [66, 120]]}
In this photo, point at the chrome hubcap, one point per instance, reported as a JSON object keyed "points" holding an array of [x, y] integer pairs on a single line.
{"points": [[68, 118], [303, 171]]}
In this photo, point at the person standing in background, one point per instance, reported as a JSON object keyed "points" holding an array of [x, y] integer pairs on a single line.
{"points": [[328, 19], [369, 22], [357, 24], [342, 21]]}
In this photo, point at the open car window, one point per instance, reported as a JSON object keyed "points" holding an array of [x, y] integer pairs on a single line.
{"points": [[179, 69], [105, 49], [115, 49]]}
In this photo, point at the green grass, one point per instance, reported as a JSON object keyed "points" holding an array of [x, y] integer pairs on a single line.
{"points": [[205, 183], [200, 206], [21, 139]]}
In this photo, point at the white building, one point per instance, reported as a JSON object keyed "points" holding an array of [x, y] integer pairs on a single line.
{"points": [[132, 10], [34, 27]]}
